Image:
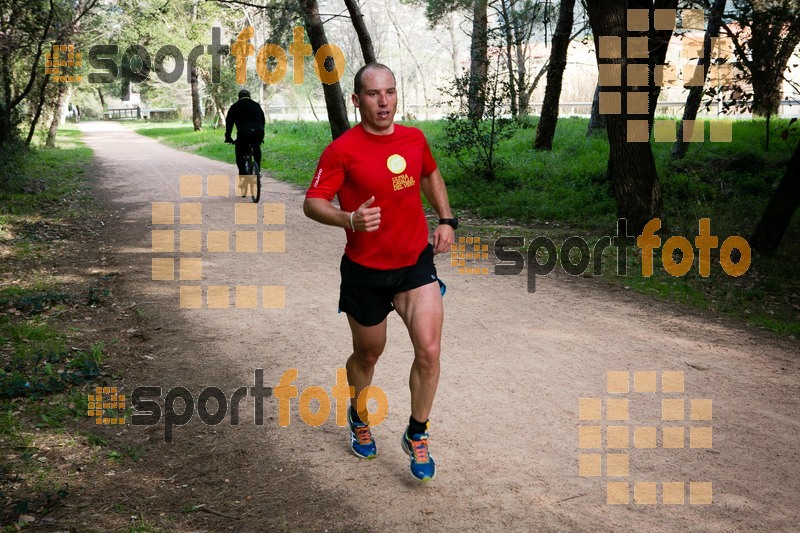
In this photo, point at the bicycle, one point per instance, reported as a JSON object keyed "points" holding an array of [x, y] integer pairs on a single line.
{"points": [[251, 168]]}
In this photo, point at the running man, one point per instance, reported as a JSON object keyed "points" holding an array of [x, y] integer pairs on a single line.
{"points": [[377, 169]]}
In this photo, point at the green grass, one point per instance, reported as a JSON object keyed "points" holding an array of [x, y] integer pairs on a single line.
{"points": [[566, 192], [43, 197]]}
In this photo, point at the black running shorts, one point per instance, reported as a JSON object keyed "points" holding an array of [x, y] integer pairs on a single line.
{"points": [[366, 294]]}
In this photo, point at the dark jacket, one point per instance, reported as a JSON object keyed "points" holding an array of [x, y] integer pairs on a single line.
{"points": [[248, 117]]}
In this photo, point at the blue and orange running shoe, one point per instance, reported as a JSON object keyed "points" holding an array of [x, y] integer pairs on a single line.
{"points": [[361, 441], [423, 467]]}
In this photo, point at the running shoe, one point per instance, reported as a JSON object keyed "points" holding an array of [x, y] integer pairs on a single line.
{"points": [[423, 467], [361, 441]]}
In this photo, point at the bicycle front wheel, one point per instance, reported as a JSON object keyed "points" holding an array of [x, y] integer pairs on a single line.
{"points": [[257, 171]]}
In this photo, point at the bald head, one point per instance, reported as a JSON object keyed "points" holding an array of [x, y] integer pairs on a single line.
{"points": [[357, 81]]}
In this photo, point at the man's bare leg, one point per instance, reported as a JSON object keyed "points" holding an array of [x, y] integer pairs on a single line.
{"points": [[423, 314], [368, 345], [422, 311]]}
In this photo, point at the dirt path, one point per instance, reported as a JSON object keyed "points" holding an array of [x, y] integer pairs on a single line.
{"points": [[505, 429]]}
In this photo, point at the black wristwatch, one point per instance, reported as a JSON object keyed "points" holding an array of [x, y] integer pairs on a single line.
{"points": [[450, 222]]}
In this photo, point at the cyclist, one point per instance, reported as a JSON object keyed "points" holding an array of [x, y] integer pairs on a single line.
{"points": [[248, 117]]}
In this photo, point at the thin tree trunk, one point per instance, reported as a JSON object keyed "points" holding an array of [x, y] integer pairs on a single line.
{"points": [[100, 95], [509, 59], [546, 129], [780, 210], [452, 33], [357, 18], [631, 164], [194, 78], [51, 133], [313, 111], [8, 105], [523, 95], [220, 109], [334, 98], [197, 112], [695, 97], [479, 63], [63, 88], [39, 107], [658, 44]]}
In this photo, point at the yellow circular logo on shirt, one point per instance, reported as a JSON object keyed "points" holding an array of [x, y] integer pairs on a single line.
{"points": [[396, 163]]}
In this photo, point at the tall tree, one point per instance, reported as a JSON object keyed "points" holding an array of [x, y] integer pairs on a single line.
{"points": [[479, 62], [631, 166], [764, 49], [334, 98], [26, 28], [657, 46], [506, 24], [364, 39], [765, 34], [194, 80], [696, 92], [518, 22], [546, 129], [70, 20]]}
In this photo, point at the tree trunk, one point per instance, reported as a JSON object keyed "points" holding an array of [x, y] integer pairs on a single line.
{"points": [[512, 83], [780, 210], [695, 97], [334, 98], [357, 18], [775, 35], [39, 107], [479, 62], [209, 107], [597, 122], [7, 125], [546, 129], [658, 43], [631, 164], [9, 112], [222, 110], [51, 133], [197, 112], [523, 95], [100, 95]]}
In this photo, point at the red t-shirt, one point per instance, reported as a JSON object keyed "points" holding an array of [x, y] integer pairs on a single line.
{"points": [[359, 165]]}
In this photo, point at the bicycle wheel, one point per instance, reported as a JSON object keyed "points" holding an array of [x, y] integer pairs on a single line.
{"points": [[257, 171]]}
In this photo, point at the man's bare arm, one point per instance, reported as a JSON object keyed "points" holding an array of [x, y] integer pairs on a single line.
{"points": [[434, 189], [365, 218]]}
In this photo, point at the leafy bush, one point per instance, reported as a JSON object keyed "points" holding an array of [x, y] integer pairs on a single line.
{"points": [[474, 141]]}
